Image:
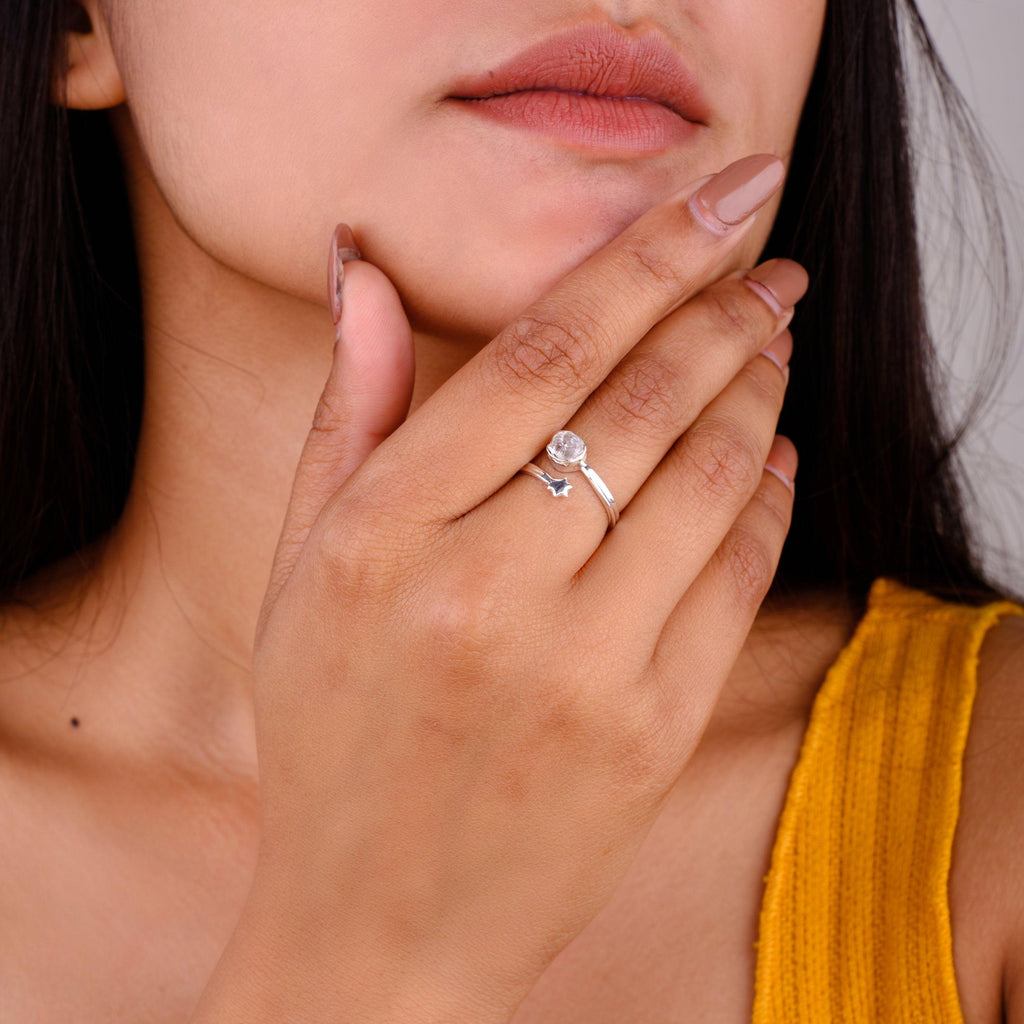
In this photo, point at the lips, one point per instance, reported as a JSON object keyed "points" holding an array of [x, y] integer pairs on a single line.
{"points": [[595, 86]]}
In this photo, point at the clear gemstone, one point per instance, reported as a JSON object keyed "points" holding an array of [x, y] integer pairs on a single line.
{"points": [[567, 449]]}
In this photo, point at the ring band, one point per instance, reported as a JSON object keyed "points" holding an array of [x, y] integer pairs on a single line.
{"points": [[559, 488], [568, 451], [601, 490]]}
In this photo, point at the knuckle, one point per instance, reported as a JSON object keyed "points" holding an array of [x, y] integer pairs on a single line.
{"points": [[683, 716], [619, 732], [469, 618], [645, 395], [552, 356], [330, 416], [679, 715], [749, 567], [458, 634], [651, 267], [643, 753], [722, 461], [356, 546], [732, 312], [765, 382], [776, 504]]}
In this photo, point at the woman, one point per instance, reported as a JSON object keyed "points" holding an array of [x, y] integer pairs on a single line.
{"points": [[525, 730]]}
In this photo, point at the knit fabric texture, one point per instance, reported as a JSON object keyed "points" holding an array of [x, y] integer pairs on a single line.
{"points": [[855, 923]]}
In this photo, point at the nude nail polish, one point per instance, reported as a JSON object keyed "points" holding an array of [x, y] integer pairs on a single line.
{"points": [[782, 462], [780, 282], [779, 351], [737, 192], [343, 248], [779, 475]]}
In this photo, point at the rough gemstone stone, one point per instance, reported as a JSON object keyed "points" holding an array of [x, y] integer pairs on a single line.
{"points": [[567, 449]]}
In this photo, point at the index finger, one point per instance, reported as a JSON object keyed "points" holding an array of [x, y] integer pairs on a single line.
{"points": [[502, 407]]}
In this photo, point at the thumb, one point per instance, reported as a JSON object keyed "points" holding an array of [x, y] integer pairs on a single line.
{"points": [[366, 397]]}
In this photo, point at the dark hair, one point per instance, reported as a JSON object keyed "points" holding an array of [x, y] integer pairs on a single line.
{"points": [[878, 489], [71, 351], [880, 492]]}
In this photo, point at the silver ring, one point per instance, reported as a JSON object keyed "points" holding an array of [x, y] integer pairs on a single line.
{"points": [[559, 488], [569, 451]]}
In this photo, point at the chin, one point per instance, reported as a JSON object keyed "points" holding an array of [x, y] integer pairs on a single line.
{"points": [[491, 276], [479, 302]]}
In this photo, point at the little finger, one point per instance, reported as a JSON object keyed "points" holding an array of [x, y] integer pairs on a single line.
{"points": [[712, 620]]}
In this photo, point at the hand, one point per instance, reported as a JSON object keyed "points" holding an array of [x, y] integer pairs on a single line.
{"points": [[471, 700]]}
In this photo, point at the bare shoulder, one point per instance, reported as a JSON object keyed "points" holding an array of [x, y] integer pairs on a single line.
{"points": [[987, 872]]}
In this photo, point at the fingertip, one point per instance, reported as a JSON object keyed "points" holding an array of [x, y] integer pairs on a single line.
{"points": [[785, 280], [779, 351], [343, 249], [737, 192], [373, 322], [783, 460], [374, 357]]}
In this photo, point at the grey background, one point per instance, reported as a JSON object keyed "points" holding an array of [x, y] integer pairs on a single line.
{"points": [[982, 44]]}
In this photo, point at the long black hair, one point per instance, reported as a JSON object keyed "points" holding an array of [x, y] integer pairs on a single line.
{"points": [[71, 352], [878, 492]]}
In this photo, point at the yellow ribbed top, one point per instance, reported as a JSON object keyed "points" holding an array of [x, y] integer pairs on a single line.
{"points": [[855, 922]]}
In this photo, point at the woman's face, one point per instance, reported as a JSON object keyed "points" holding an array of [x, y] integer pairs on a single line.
{"points": [[264, 123]]}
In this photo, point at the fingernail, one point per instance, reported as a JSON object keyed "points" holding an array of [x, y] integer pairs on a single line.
{"points": [[781, 283], [780, 350], [343, 248], [779, 475], [782, 461], [735, 193]]}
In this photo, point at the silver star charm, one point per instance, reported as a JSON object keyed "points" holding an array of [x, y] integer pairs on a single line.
{"points": [[559, 488]]}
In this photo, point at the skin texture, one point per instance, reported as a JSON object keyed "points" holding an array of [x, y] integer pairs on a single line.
{"points": [[464, 262], [248, 131], [233, 236]]}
